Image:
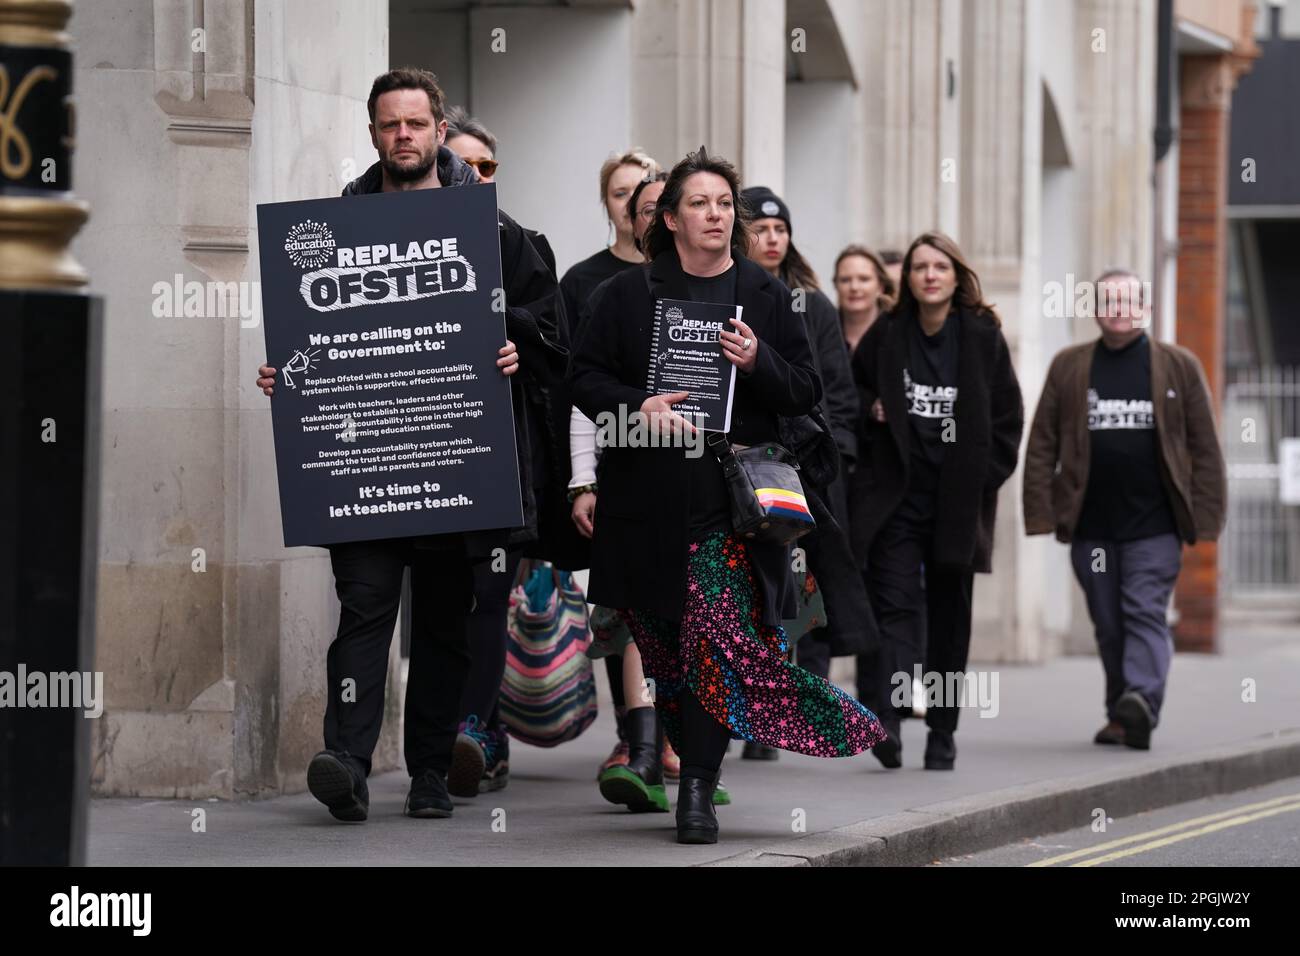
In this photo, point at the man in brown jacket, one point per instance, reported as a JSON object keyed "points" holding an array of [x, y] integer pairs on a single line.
{"points": [[1124, 463]]}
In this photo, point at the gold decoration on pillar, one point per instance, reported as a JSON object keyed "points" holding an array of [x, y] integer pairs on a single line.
{"points": [[34, 22], [34, 237], [36, 227]]}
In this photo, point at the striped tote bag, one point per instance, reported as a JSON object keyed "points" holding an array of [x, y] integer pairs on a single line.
{"points": [[548, 695]]}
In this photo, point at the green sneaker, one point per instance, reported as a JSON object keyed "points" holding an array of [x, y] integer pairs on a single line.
{"points": [[721, 795], [625, 786]]}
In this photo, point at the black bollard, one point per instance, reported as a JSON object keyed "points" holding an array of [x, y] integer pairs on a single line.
{"points": [[49, 453]]}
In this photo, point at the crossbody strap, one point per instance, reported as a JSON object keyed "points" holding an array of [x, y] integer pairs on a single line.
{"points": [[723, 451]]}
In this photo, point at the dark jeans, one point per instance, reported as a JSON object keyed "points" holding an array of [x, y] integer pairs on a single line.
{"points": [[488, 640], [368, 581], [1127, 602], [921, 622]]}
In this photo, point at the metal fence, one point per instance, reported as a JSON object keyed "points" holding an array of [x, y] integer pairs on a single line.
{"points": [[1260, 553]]}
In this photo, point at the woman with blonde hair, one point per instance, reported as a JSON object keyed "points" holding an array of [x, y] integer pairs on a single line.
{"points": [[619, 176], [865, 291]]}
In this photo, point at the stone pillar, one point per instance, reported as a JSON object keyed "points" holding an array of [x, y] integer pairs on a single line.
{"points": [[711, 72], [998, 176], [212, 636]]}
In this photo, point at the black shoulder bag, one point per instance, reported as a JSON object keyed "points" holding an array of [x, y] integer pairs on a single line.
{"points": [[767, 500]]}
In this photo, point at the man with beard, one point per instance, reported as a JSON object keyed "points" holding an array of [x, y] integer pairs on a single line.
{"points": [[408, 129]]}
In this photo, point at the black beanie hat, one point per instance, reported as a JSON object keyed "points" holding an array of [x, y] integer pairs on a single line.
{"points": [[765, 204]]}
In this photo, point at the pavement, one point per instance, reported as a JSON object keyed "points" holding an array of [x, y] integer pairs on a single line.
{"points": [[1030, 770]]}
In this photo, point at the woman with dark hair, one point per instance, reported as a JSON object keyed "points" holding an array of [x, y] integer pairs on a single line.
{"points": [[641, 761], [941, 424], [704, 605], [865, 290]]}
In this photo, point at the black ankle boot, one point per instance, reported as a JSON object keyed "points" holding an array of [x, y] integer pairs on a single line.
{"points": [[890, 750], [696, 820], [639, 784], [940, 750]]}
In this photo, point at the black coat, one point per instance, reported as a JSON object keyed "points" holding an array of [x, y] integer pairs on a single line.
{"points": [[850, 623], [989, 418], [839, 394], [534, 324], [839, 397], [639, 550]]}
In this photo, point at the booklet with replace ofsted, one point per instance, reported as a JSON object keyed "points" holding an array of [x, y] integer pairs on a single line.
{"points": [[686, 356]]}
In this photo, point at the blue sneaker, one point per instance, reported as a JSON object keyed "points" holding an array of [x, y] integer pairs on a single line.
{"points": [[469, 758], [496, 775]]}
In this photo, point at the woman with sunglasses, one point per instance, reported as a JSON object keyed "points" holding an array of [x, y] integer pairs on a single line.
{"points": [[704, 605], [481, 755], [470, 140], [940, 433]]}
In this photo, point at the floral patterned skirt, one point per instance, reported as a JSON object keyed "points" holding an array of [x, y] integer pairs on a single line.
{"points": [[738, 668]]}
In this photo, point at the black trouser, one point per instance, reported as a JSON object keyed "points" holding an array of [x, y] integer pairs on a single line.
{"points": [[900, 549], [704, 740], [368, 581], [813, 652], [488, 640]]}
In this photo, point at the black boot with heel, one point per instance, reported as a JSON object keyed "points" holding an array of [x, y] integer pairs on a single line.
{"points": [[696, 820]]}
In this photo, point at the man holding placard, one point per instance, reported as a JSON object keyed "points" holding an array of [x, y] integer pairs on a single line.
{"points": [[397, 443]]}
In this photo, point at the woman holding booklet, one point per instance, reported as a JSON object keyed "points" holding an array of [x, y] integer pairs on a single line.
{"points": [[704, 604]]}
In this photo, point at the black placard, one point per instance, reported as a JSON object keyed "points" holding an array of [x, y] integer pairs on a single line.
{"points": [[383, 314]]}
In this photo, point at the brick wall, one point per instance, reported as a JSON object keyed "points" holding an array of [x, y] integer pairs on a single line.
{"points": [[1202, 194]]}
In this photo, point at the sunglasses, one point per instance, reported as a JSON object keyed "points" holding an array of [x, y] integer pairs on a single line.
{"points": [[485, 167]]}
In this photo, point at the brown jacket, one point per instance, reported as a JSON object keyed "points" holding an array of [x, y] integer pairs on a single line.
{"points": [[1191, 459]]}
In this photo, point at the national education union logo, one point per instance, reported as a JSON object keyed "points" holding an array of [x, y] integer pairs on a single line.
{"points": [[310, 244]]}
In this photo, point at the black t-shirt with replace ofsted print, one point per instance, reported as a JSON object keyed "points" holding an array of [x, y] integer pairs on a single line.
{"points": [[930, 386], [1125, 499]]}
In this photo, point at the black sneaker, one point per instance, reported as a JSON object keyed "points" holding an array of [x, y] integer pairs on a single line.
{"points": [[1135, 715], [338, 780], [428, 796]]}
